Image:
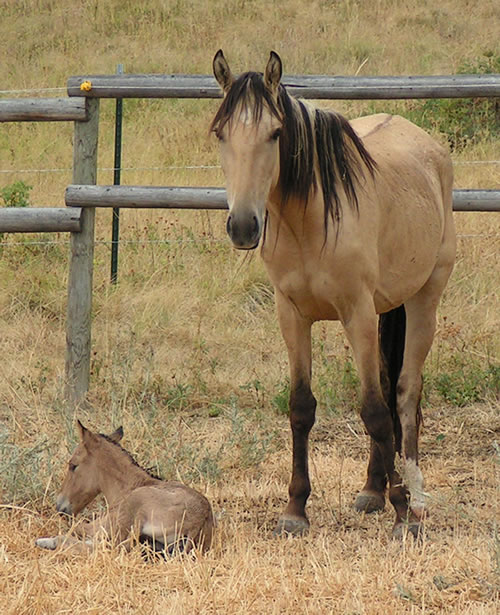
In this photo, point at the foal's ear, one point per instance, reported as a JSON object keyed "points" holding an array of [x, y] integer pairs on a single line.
{"points": [[82, 430], [117, 435], [222, 72], [274, 70], [86, 436]]}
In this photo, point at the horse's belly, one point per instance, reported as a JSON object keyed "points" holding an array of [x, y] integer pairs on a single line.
{"points": [[406, 262]]}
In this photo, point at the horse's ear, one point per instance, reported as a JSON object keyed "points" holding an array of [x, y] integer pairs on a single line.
{"points": [[117, 435], [81, 429], [274, 70], [86, 436], [222, 72]]}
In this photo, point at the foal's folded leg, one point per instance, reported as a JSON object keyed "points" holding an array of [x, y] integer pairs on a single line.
{"points": [[66, 542]]}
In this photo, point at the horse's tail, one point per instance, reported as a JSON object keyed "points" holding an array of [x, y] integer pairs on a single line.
{"points": [[392, 333]]}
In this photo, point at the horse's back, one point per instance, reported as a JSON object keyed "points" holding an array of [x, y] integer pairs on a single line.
{"points": [[396, 142], [166, 509], [413, 197]]}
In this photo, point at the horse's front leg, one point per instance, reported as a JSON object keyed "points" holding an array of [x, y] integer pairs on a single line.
{"points": [[66, 541], [82, 537], [296, 332]]}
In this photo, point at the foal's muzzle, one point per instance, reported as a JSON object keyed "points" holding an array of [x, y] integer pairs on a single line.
{"points": [[244, 230], [63, 506]]}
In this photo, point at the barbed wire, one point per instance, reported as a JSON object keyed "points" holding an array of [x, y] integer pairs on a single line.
{"points": [[31, 90], [109, 169], [125, 242], [102, 242], [186, 167]]}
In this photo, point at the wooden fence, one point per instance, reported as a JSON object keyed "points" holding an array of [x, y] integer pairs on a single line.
{"points": [[83, 196]]}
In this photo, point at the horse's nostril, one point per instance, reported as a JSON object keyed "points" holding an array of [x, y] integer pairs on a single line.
{"points": [[228, 225], [255, 224], [63, 506]]}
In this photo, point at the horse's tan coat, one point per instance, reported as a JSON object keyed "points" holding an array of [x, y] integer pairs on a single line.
{"points": [[397, 247], [138, 504]]}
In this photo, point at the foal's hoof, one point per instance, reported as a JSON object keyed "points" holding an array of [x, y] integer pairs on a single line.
{"points": [[369, 502], [403, 529], [46, 543], [291, 526]]}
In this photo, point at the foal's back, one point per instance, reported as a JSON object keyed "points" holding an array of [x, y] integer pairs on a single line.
{"points": [[165, 511]]}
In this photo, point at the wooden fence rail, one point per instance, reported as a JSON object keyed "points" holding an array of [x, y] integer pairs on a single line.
{"points": [[305, 86], [40, 219], [83, 196], [43, 110], [139, 197]]}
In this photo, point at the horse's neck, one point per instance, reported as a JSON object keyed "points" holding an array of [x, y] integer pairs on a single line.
{"points": [[119, 477], [293, 222]]}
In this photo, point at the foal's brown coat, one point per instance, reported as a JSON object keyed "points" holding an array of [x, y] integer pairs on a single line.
{"points": [[167, 514], [355, 220]]}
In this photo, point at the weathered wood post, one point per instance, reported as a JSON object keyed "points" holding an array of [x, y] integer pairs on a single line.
{"points": [[78, 322]]}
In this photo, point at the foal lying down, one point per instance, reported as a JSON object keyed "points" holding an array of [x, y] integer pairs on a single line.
{"points": [[165, 514]]}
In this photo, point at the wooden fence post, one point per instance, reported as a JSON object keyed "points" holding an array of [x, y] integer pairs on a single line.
{"points": [[78, 322]]}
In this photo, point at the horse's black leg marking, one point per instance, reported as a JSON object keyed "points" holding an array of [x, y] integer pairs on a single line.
{"points": [[302, 417], [392, 331], [379, 424]]}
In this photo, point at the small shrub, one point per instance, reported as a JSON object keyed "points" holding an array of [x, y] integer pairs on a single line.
{"points": [[468, 384], [16, 194], [280, 400], [463, 121]]}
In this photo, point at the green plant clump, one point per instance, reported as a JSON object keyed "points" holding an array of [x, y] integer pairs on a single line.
{"points": [[464, 121], [16, 194]]}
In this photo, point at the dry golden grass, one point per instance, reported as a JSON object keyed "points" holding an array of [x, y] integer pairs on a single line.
{"points": [[186, 349], [347, 564]]}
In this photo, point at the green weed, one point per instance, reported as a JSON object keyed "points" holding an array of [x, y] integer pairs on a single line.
{"points": [[16, 194], [467, 383], [280, 400], [464, 121]]}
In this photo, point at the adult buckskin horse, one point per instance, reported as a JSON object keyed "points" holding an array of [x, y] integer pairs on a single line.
{"points": [[356, 221]]}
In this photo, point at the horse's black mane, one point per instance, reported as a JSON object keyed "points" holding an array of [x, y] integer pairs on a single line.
{"points": [[134, 462], [307, 134]]}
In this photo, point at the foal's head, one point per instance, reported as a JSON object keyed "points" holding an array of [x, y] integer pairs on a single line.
{"points": [[81, 484], [248, 126]]}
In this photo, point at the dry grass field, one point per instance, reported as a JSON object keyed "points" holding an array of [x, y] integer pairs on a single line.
{"points": [[187, 354]]}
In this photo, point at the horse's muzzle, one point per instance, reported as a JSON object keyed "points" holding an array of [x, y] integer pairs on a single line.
{"points": [[63, 506], [244, 231]]}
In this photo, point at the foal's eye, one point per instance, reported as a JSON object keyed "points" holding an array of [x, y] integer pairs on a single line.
{"points": [[72, 467], [276, 135]]}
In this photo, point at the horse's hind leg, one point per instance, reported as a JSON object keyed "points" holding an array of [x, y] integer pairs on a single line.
{"points": [[361, 329], [392, 333], [421, 324]]}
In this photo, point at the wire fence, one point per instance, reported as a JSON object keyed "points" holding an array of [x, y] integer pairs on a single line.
{"points": [[146, 242], [190, 167], [9, 93]]}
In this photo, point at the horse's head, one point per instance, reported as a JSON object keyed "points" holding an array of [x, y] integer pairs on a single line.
{"points": [[81, 483], [248, 125]]}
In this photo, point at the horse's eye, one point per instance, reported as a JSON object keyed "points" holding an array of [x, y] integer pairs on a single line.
{"points": [[220, 136], [276, 135], [72, 467]]}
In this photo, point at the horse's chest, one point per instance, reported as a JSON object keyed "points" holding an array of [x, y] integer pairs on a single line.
{"points": [[313, 294]]}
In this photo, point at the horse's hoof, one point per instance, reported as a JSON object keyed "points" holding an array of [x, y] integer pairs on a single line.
{"points": [[291, 526], [369, 502], [402, 529], [46, 543]]}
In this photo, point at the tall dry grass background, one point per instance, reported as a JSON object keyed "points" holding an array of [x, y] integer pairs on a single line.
{"points": [[186, 350]]}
